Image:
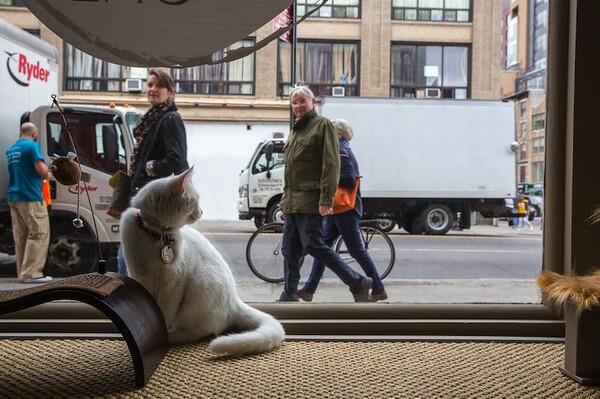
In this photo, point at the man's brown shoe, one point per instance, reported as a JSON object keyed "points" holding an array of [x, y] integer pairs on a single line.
{"points": [[363, 294], [305, 295], [380, 296]]}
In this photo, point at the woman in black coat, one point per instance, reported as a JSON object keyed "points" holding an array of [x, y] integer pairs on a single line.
{"points": [[161, 146]]}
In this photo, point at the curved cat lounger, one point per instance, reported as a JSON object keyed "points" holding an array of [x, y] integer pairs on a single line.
{"points": [[123, 300]]}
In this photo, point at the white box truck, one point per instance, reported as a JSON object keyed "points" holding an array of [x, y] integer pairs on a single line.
{"points": [[423, 161], [103, 139]]}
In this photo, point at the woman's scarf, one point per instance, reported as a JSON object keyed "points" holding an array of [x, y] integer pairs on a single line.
{"points": [[145, 125]]}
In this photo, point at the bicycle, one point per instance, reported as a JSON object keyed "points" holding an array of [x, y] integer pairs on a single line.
{"points": [[264, 257]]}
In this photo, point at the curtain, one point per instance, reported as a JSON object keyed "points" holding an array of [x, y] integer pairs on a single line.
{"points": [[344, 63], [318, 63]]}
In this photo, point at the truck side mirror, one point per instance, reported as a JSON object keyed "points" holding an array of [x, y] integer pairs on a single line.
{"points": [[269, 152], [268, 149]]}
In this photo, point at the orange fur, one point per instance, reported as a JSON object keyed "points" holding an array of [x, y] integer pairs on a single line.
{"points": [[582, 291]]}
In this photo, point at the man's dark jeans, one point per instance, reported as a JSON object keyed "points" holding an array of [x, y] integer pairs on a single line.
{"points": [[304, 233], [346, 225]]}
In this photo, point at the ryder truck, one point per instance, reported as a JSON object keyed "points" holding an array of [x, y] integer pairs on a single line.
{"points": [[422, 161], [102, 135]]}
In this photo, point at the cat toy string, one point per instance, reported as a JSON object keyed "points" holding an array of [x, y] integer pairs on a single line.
{"points": [[78, 222]]}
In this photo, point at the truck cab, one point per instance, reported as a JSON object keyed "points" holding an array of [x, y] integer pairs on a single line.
{"points": [[103, 142], [261, 184]]}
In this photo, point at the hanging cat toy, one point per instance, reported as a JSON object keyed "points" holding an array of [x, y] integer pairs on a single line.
{"points": [[67, 171]]}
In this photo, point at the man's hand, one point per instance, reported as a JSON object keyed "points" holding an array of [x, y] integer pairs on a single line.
{"points": [[325, 210]]}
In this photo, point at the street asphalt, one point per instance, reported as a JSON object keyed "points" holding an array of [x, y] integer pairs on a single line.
{"points": [[398, 290]]}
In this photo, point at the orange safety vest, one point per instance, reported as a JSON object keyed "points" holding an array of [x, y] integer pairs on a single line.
{"points": [[46, 192]]}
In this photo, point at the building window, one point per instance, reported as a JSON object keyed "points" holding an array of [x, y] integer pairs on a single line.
{"points": [[540, 34], [432, 10], [537, 171], [321, 66], [522, 174], [430, 71], [523, 129], [235, 77], [86, 73], [538, 121], [523, 152], [332, 9], [511, 39], [523, 106], [538, 145]]}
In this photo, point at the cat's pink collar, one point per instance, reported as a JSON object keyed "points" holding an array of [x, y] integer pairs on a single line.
{"points": [[153, 224], [163, 236]]}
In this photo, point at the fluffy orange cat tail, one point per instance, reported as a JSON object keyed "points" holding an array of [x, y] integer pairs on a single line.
{"points": [[582, 291]]}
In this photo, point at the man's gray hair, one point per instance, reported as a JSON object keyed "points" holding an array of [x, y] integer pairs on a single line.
{"points": [[303, 90], [344, 129]]}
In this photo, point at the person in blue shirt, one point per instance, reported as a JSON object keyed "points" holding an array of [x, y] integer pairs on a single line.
{"points": [[29, 216]]}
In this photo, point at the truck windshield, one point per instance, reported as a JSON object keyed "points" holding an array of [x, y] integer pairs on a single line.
{"points": [[132, 119], [97, 139]]}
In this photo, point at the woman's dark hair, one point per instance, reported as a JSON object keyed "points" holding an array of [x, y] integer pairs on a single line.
{"points": [[164, 79]]}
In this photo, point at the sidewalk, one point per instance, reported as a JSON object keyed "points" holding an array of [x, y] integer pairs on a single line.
{"points": [[399, 291], [247, 226]]}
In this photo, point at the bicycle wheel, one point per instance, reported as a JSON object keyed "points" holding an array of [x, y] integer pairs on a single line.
{"points": [[263, 253], [380, 247]]}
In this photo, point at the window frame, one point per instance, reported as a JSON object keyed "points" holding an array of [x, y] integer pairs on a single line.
{"points": [[351, 89], [331, 4], [418, 88], [225, 84], [95, 81], [567, 237], [418, 11]]}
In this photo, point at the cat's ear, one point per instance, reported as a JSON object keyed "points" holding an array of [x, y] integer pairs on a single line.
{"points": [[184, 179]]}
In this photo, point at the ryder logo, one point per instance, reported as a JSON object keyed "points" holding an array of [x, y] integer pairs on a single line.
{"points": [[22, 71]]}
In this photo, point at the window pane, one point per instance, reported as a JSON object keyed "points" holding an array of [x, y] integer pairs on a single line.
{"points": [[405, 3], [404, 66], [456, 66], [410, 14], [437, 15], [457, 4], [224, 78], [100, 75], [430, 62], [431, 3]]}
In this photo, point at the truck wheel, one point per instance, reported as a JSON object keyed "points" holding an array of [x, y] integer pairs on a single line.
{"points": [[274, 214], [386, 222], [259, 222], [413, 224], [407, 223], [437, 219], [417, 226], [7, 243], [71, 251]]}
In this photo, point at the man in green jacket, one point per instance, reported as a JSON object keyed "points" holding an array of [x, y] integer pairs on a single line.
{"points": [[312, 168]]}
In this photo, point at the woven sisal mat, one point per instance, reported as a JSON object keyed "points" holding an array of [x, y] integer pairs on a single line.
{"points": [[297, 370], [98, 284]]}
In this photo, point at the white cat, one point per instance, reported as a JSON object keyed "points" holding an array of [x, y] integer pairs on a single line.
{"points": [[187, 276]]}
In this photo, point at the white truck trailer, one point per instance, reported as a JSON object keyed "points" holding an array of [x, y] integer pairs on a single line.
{"points": [[102, 135], [423, 161]]}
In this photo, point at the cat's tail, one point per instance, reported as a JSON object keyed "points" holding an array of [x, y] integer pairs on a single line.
{"points": [[264, 333]]}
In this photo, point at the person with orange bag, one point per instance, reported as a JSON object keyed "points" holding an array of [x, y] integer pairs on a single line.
{"points": [[345, 224]]}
